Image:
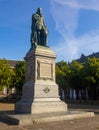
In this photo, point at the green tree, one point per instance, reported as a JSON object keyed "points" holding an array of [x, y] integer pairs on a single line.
{"points": [[91, 76], [19, 77], [62, 76], [5, 74], [76, 75]]}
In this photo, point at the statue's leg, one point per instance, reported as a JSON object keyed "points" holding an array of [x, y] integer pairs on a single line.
{"points": [[31, 40], [39, 37], [35, 41], [44, 38]]}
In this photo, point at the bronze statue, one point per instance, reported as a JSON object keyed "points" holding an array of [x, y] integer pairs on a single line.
{"points": [[39, 30]]}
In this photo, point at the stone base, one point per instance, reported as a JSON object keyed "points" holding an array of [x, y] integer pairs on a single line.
{"points": [[45, 99], [40, 107], [27, 119]]}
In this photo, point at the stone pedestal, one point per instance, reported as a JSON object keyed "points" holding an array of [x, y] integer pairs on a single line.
{"points": [[40, 92]]}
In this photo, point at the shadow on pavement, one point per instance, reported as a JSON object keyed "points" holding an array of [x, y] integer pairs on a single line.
{"points": [[3, 118]]}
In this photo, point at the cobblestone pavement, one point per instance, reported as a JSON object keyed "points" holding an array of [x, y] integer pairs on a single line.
{"points": [[79, 124]]}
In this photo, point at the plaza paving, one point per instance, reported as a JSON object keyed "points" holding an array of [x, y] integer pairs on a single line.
{"points": [[79, 124]]}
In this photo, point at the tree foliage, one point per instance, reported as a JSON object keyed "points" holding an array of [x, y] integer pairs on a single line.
{"points": [[62, 73], [75, 75], [5, 74], [19, 77], [91, 69], [79, 76]]}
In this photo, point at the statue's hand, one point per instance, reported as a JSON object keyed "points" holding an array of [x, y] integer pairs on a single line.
{"points": [[45, 30]]}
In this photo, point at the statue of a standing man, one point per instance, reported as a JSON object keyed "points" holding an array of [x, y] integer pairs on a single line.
{"points": [[39, 30]]}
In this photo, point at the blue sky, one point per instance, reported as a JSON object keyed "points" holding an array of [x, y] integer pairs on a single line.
{"points": [[73, 27]]}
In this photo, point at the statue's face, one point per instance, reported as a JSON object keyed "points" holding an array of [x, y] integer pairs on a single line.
{"points": [[39, 11]]}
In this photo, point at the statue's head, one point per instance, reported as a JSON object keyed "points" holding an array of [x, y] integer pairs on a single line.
{"points": [[39, 11]]}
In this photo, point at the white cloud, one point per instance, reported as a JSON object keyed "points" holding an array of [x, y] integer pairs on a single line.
{"points": [[72, 48], [91, 5], [80, 4], [66, 16], [66, 19], [89, 42], [66, 51]]}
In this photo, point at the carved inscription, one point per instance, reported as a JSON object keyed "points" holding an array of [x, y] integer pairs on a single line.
{"points": [[45, 70]]}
